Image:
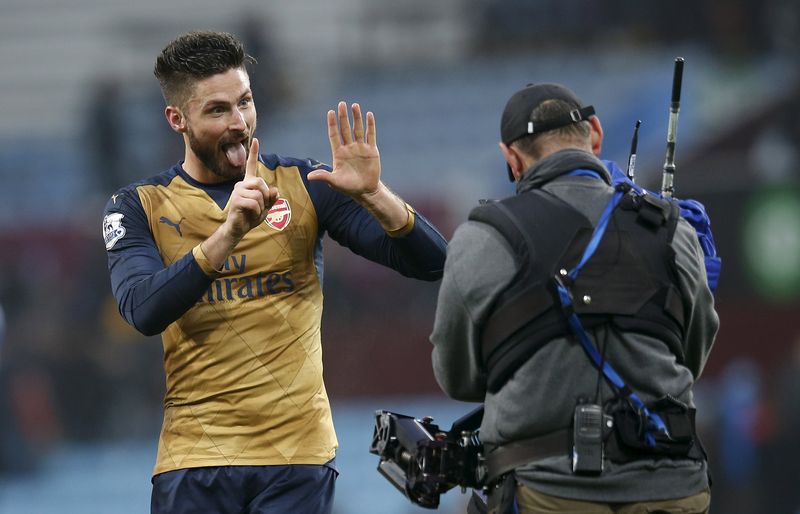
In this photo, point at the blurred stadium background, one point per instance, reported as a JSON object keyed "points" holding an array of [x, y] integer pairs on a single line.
{"points": [[81, 115]]}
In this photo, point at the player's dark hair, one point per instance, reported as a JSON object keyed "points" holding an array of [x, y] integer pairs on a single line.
{"points": [[195, 56], [577, 132]]}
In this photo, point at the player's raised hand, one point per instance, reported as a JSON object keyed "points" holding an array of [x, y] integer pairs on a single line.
{"points": [[251, 198], [356, 161]]}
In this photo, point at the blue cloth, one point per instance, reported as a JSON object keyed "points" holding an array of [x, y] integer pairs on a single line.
{"points": [[692, 211], [246, 489]]}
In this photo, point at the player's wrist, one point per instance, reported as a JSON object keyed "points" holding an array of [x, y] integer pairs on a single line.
{"points": [[233, 230], [219, 246], [388, 208], [374, 197]]}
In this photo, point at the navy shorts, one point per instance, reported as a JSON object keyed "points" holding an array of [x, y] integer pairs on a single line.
{"points": [[287, 489]]}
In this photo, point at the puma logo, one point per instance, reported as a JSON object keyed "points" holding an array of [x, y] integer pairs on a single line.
{"points": [[176, 226]]}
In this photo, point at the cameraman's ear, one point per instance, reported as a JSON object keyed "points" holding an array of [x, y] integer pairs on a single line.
{"points": [[175, 118], [514, 160], [596, 135]]}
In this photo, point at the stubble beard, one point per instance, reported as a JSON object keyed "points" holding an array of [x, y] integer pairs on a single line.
{"points": [[213, 157]]}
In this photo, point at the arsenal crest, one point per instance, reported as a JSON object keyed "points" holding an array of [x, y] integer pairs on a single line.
{"points": [[279, 215]]}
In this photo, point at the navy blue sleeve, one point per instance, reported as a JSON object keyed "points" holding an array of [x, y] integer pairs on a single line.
{"points": [[419, 254], [150, 295]]}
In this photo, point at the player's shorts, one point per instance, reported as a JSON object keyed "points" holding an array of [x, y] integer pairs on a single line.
{"points": [[288, 489]]}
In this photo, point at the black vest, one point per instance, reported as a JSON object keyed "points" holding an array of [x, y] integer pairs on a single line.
{"points": [[629, 282]]}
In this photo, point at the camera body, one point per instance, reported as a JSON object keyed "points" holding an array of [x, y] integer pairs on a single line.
{"points": [[422, 461]]}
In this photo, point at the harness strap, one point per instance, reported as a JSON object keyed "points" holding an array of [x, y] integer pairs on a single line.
{"points": [[507, 457], [513, 316], [563, 284]]}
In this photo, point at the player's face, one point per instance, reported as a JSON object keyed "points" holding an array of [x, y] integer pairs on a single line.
{"points": [[221, 121]]}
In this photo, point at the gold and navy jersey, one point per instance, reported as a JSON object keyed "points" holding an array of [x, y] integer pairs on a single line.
{"points": [[242, 349]]}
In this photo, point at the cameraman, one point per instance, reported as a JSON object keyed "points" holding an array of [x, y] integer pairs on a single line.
{"points": [[560, 433]]}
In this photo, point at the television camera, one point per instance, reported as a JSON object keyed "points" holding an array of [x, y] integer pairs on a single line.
{"points": [[422, 461]]}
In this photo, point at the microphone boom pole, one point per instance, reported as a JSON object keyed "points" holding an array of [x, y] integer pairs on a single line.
{"points": [[667, 187]]}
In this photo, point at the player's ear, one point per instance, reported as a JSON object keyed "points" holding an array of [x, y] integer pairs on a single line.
{"points": [[175, 118]]}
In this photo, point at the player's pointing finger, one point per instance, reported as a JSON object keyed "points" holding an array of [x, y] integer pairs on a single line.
{"points": [[251, 168]]}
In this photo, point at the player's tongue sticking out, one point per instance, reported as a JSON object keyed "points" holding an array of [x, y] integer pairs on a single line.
{"points": [[236, 153]]}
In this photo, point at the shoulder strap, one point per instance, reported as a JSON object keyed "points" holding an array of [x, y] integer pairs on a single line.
{"points": [[505, 339], [563, 284]]}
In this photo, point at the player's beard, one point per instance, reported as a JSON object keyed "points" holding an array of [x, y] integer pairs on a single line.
{"points": [[213, 156]]}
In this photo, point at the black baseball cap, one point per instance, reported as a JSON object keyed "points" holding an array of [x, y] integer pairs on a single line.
{"points": [[518, 122]]}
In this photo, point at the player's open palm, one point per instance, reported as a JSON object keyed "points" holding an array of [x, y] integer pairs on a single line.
{"points": [[356, 161]]}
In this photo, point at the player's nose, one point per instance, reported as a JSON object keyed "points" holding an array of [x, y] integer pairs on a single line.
{"points": [[237, 121]]}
